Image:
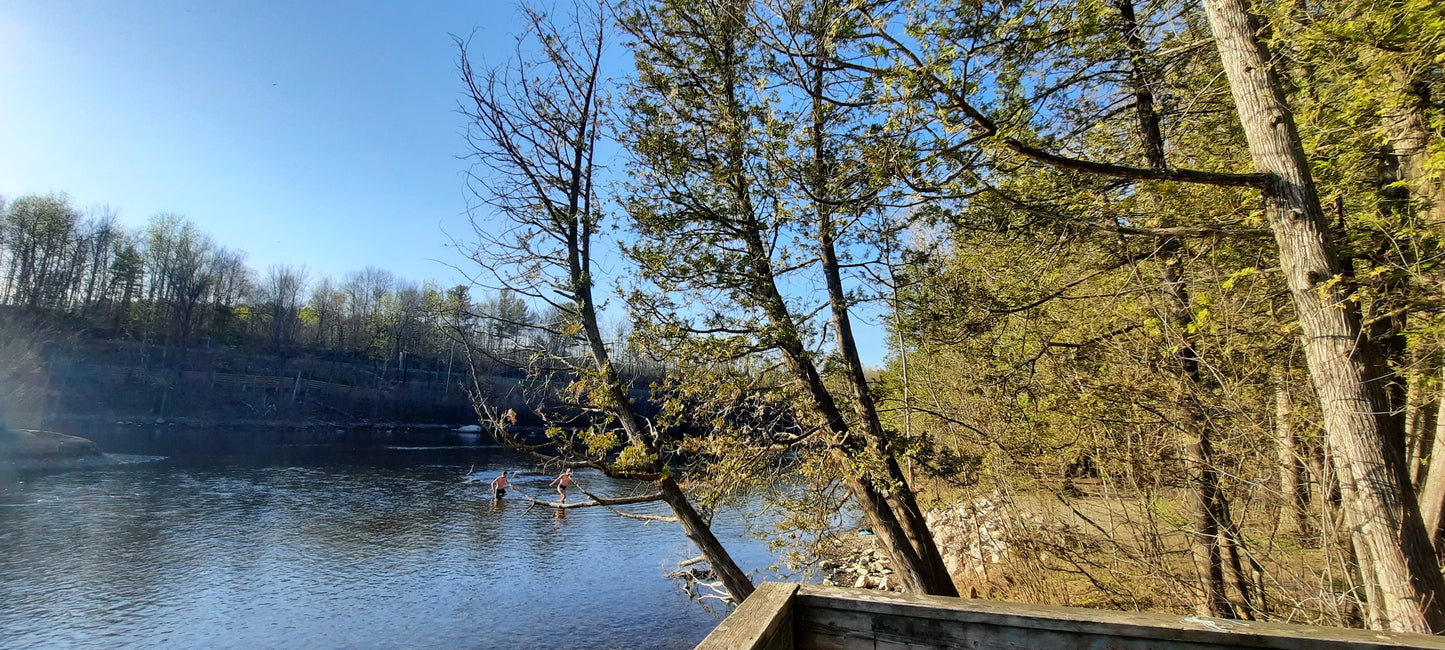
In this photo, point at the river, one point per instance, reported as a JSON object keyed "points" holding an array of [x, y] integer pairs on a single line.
{"points": [[266, 539]]}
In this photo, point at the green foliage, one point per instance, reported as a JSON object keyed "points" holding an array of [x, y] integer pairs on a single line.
{"points": [[600, 442]]}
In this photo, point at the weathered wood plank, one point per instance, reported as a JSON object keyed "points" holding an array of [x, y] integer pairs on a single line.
{"points": [[862, 618], [834, 629], [762, 622]]}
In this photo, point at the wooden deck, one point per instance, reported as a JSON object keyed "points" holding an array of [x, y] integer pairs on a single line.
{"points": [[786, 615]]}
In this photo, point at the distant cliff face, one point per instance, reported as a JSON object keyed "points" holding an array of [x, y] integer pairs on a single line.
{"points": [[26, 446]]}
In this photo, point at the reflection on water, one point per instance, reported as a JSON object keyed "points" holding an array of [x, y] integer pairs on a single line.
{"points": [[275, 544]]}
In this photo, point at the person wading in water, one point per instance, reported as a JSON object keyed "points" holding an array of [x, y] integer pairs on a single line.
{"points": [[500, 485], [562, 482]]}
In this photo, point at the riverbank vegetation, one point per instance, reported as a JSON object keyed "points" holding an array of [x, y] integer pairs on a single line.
{"points": [[1162, 284], [102, 322]]}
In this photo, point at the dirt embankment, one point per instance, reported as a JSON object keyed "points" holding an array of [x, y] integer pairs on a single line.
{"points": [[32, 449]]}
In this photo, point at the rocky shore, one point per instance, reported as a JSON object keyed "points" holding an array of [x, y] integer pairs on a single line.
{"points": [[974, 537], [33, 444], [36, 449]]}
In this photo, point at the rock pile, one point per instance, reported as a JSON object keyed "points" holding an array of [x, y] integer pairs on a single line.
{"points": [[973, 535], [860, 568]]}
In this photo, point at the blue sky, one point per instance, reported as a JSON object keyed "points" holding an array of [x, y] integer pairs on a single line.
{"points": [[313, 133], [323, 134]]}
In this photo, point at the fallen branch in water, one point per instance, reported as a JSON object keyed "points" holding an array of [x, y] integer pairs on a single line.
{"points": [[700, 582], [610, 504]]}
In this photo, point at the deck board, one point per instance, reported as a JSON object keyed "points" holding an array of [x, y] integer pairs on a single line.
{"points": [[781, 615], [934, 622], [764, 621]]}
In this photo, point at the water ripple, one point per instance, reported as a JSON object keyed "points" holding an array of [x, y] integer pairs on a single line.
{"points": [[165, 555]]}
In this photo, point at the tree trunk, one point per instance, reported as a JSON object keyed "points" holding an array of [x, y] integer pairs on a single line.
{"points": [[1231, 555], [1398, 556], [1204, 539], [936, 580], [933, 571], [918, 574], [1418, 435], [562, 191], [1294, 496], [734, 580], [1367, 591], [1432, 490], [886, 510], [1407, 126]]}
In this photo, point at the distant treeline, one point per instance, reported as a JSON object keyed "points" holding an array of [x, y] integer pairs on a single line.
{"points": [[172, 284]]}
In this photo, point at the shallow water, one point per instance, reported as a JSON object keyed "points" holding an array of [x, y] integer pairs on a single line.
{"points": [[281, 540]]}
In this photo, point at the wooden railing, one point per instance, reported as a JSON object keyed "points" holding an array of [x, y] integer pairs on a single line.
{"points": [[783, 615]]}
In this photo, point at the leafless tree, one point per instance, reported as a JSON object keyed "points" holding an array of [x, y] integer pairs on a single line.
{"points": [[534, 135], [284, 285]]}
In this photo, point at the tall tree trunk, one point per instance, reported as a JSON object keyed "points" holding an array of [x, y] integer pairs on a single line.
{"points": [[917, 573], [694, 526], [1432, 490], [557, 205], [1232, 556], [1206, 502], [1204, 539], [1389, 277], [1294, 495], [933, 571], [697, 529], [1368, 591], [936, 580], [1398, 556], [1407, 126], [1418, 435], [900, 540]]}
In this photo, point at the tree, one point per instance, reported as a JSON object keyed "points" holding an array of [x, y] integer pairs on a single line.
{"points": [[710, 201], [178, 273], [507, 318], [38, 232], [406, 314], [534, 133], [100, 232], [231, 283], [327, 304], [283, 287], [364, 290], [1398, 556], [127, 273], [1346, 371]]}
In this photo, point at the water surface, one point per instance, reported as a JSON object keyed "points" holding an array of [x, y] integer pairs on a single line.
{"points": [[297, 540]]}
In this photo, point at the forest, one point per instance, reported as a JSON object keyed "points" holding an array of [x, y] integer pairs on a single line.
{"points": [[1161, 281], [119, 315], [171, 283]]}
